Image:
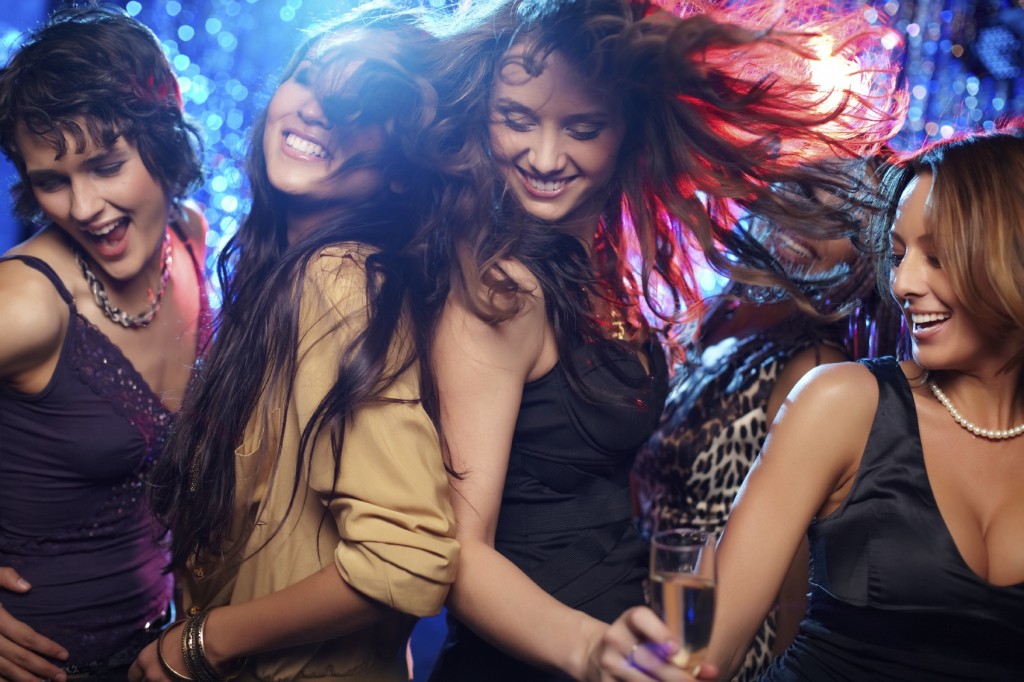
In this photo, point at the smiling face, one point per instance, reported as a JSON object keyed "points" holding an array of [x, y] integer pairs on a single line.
{"points": [[944, 334], [800, 256], [104, 199], [554, 140], [304, 150]]}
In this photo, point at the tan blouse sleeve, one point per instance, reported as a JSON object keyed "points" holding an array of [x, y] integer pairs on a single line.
{"points": [[388, 493]]}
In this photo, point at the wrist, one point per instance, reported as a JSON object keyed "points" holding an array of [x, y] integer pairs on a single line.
{"points": [[216, 645], [206, 659], [590, 631]]}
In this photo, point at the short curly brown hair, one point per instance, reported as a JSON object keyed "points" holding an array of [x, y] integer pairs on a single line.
{"points": [[95, 73]]}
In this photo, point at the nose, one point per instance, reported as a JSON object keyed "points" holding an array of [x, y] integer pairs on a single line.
{"points": [[312, 112], [546, 155], [86, 202], [908, 280]]}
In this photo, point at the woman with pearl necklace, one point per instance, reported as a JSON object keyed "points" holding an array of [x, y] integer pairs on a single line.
{"points": [[908, 473]]}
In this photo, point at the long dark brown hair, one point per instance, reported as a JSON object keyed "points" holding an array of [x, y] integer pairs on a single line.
{"points": [[706, 141], [256, 342]]}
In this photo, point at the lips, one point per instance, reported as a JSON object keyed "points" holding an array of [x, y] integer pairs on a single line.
{"points": [[800, 249], [304, 146], [544, 188], [923, 324], [109, 238]]}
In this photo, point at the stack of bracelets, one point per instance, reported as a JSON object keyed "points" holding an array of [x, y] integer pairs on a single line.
{"points": [[194, 653]]}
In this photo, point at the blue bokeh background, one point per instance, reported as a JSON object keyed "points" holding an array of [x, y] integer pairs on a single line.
{"points": [[962, 65]]}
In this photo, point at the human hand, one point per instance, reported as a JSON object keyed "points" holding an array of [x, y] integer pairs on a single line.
{"points": [[22, 649], [148, 667], [638, 647]]}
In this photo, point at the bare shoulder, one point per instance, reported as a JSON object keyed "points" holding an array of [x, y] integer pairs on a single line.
{"points": [[194, 226], [809, 358], [795, 369], [841, 393], [821, 430], [515, 343], [522, 297], [34, 318]]}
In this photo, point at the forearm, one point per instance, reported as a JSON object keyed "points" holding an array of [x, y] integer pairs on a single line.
{"points": [[502, 605], [318, 608]]}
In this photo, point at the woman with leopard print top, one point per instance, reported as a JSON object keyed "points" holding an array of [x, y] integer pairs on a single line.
{"points": [[753, 346]]}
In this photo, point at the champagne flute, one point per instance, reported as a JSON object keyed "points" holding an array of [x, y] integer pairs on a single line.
{"points": [[683, 589]]}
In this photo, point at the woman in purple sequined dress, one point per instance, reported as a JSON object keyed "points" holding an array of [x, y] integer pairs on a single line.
{"points": [[102, 315]]}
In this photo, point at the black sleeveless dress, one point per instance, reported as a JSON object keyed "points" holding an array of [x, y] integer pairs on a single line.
{"points": [[891, 596], [566, 513]]}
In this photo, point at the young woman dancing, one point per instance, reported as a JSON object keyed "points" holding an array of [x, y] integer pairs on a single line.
{"points": [[103, 315], [607, 137], [909, 472], [304, 486]]}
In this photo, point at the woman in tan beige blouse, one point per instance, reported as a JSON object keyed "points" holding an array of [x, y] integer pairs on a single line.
{"points": [[305, 487]]}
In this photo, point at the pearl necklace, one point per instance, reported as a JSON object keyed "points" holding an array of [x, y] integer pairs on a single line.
{"points": [[99, 292], [992, 434]]}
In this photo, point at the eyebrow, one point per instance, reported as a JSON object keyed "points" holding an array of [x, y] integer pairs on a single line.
{"points": [[927, 238], [99, 158], [587, 116]]}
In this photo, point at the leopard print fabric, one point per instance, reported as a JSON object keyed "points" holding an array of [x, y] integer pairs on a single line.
{"points": [[713, 427]]}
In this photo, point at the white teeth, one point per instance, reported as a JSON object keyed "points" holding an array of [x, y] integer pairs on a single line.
{"points": [[795, 246], [546, 185], [109, 228], [929, 317], [305, 146]]}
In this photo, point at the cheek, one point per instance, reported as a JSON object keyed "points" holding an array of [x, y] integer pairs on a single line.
{"points": [[362, 140], [358, 185], [48, 203], [602, 159], [501, 143], [145, 189]]}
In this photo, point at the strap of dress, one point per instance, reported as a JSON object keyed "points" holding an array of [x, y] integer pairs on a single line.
{"points": [[204, 326], [199, 267], [43, 267], [894, 439], [894, 391]]}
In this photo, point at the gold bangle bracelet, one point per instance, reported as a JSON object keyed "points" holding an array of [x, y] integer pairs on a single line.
{"points": [[171, 672], [237, 665], [194, 651]]}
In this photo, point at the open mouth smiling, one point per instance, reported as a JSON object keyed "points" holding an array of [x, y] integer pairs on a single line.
{"points": [[545, 186], [304, 146], [923, 321], [107, 232]]}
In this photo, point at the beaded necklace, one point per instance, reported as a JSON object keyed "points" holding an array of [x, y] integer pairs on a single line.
{"points": [[992, 434]]}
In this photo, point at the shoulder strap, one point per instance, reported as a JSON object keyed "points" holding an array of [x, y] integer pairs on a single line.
{"points": [[43, 267], [200, 267], [204, 329], [894, 432]]}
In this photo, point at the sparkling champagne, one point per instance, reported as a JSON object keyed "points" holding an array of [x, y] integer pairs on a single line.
{"points": [[687, 605]]}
